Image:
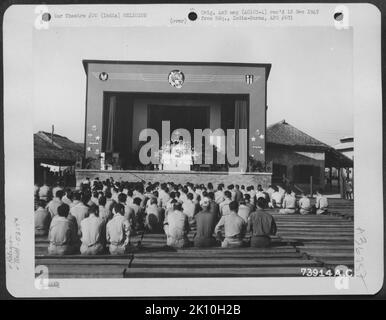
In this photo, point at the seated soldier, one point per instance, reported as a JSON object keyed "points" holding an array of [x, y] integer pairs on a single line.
{"points": [[42, 219], [276, 198], [138, 212], [321, 204], [262, 225], [234, 227], [289, 203], [53, 205], [206, 222], [153, 216], [304, 204], [103, 213], [213, 206], [244, 210], [224, 206], [92, 233], [62, 235], [118, 231], [189, 207], [80, 210], [176, 227], [44, 192]]}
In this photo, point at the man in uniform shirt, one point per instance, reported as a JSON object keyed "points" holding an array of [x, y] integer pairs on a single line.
{"points": [[92, 233], [189, 207], [224, 206], [219, 194], [153, 216], [44, 192], [53, 205], [80, 210], [304, 204], [57, 188], [238, 193], [206, 222], [42, 219], [118, 231], [214, 208], [234, 227], [244, 210], [262, 225], [321, 202], [289, 203], [176, 227], [62, 236]]}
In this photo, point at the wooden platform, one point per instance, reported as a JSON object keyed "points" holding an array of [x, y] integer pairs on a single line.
{"points": [[302, 242]]}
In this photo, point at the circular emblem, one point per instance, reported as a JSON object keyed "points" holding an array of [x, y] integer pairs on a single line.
{"points": [[176, 78], [103, 76]]}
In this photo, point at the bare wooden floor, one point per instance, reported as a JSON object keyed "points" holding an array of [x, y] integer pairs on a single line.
{"points": [[310, 241]]}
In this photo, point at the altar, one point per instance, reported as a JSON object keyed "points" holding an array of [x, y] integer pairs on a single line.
{"points": [[176, 156]]}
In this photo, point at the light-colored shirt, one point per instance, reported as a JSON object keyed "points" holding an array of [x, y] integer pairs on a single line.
{"points": [[53, 206], [321, 202], [219, 196], [103, 213], [92, 229], [305, 203], [176, 224], [244, 212], [44, 192], [61, 232], [234, 226], [189, 208], [66, 200], [289, 202], [153, 209], [224, 206], [277, 196], [109, 204], [79, 211], [118, 230], [42, 220], [56, 189], [163, 198]]}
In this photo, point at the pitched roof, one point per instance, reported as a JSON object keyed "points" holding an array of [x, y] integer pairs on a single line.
{"points": [[60, 149], [284, 134]]}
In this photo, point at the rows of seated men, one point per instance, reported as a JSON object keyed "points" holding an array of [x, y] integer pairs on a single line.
{"points": [[102, 216]]}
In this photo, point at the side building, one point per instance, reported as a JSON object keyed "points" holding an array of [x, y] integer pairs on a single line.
{"points": [[297, 158]]}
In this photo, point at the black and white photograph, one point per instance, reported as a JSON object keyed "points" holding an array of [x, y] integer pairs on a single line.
{"points": [[185, 148]]}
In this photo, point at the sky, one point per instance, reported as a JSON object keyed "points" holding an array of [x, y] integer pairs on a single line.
{"points": [[310, 84]]}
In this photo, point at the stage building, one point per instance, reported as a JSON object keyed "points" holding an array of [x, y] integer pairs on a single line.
{"points": [[125, 97]]}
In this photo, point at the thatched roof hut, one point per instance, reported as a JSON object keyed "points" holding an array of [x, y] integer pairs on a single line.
{"points": [[55, 149], [286, 136]]}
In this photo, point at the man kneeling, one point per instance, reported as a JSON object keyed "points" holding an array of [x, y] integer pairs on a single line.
{"points": [[205, 221], [118, 231], [176, 226], [62, 234], [92, 230], [262, 225], [234, 227]]}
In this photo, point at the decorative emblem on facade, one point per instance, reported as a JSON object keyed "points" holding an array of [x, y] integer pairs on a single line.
{"points": [[176, 78], [103, 76], [249, 78]]}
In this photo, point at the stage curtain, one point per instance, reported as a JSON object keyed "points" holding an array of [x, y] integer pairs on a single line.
{"points": [[241, 121], [111, 125]]}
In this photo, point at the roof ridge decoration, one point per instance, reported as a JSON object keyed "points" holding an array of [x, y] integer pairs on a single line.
{"points": [[43, 136]]}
